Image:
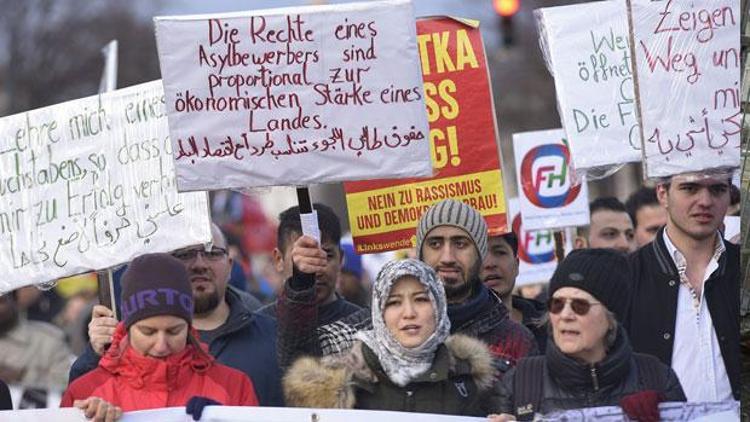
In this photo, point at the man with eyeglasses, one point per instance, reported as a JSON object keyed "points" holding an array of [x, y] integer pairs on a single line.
{"points": [[685, 307], [236, 336]]}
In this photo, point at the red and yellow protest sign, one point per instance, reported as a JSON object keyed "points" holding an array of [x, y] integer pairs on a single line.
{"points": [[383, 214]]}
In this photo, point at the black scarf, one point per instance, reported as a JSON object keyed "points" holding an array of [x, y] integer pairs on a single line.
{"points": [[574, 375]]}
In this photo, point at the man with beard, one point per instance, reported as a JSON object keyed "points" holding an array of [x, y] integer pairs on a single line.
{"points": [[499, 272], [32, 353], [452, 239], [236, 337], [685, 307]]}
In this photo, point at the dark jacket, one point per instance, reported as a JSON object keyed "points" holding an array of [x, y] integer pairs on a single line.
{"points": [[334, 311], [5, 402], [483, 316], [653, 310], [458, 383], [571, 384], [247, 342], [533, 312]]}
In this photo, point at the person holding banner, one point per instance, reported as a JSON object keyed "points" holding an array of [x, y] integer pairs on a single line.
{"points": [[156, 359], [408, 361], [686, 284], [452, 239], [222, 317], [589, 361]]}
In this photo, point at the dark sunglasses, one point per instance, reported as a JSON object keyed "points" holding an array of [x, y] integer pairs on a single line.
{"points": [[189, 255], [580, 306]]}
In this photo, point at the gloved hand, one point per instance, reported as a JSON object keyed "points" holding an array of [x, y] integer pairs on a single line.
{"points": [[642, 406], [196, 404]]}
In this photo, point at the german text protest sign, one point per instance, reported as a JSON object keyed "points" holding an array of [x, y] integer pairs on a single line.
{"points": [[589, 57], [687, 57], [384, 213], [536, 249], [548, 198], [294, 96], [89, 184]]}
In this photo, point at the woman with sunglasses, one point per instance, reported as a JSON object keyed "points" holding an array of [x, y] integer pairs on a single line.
{"points": [[588, 361], [407, 361]]}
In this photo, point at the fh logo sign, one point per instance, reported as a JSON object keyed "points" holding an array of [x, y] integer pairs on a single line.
{"points": [[544, 176], [535, 246]]}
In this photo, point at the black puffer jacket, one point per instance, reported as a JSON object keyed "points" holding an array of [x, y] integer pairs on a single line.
{"points": [[571, 384]]}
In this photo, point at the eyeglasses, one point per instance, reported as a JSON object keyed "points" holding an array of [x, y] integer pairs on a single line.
{"points": [[580, 306], [189, 255]]}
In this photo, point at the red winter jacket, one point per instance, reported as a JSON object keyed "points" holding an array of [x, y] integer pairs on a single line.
{"points": [[135, 382]]}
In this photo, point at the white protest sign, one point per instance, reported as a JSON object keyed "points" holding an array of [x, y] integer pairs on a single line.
{"points": [[687, 57], [547, 197], [89, 184], [238, 414], [295, 96], [589, 56], [536, 249], [727, 411]]}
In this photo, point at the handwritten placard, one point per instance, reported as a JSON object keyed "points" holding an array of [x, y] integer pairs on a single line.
{"points": [[687, 57], [90, 184], [294, 96], [547, 195], [589, 56]]}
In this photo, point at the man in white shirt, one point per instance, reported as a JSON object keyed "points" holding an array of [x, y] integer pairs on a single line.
{"points": [[685, 303]]}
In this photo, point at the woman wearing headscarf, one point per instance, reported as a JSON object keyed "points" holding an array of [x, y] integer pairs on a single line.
{"points": [[588, 361], [407, 362], [155, 359]]}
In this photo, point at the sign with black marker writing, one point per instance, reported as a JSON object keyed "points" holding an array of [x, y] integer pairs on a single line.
{"points": [[89, 184], [589, 57], [294, 96], [687, 57]]}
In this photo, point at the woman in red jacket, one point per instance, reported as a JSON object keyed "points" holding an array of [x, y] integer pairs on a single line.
{"points": [[155, 360]]}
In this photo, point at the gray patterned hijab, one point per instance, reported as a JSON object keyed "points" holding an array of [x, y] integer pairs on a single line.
{"points": [[402, 364]]}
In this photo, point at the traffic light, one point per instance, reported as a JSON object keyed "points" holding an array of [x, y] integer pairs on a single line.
{"points": [[506, 9]]}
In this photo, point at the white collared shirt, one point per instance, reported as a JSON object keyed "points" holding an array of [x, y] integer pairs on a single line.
{"points": [[696, 356]]}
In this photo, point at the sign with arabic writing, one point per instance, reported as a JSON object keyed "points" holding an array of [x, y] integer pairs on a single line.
{"points": [[547, 195], [294, 96], [589, 57], [687, 57], [90, 184], [383, 214]]}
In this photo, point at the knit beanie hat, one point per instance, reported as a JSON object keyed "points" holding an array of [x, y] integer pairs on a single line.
{"points": [[450, 212], [603, 273], [156, 284]]}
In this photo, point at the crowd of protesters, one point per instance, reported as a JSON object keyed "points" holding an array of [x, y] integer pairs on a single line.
{"points": [[646, 309]]}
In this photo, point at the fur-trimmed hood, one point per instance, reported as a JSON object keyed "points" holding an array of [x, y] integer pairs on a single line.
{"points": [[330, 382]]}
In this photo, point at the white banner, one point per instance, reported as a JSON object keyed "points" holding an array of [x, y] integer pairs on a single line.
{"points": [[238, 414], [589, 57], [728, 411], [89, 184], [688, 83], [295, 96], [536, 249], [548, 199]]}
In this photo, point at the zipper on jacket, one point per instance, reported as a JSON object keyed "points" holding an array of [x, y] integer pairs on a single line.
{"points": [[594, 378]]}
